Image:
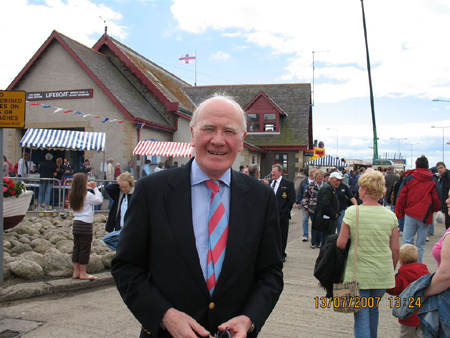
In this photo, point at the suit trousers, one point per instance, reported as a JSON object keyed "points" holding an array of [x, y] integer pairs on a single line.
{"points": [[284, 226]]}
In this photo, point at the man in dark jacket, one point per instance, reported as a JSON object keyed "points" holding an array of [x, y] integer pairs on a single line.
{"points": [[391, 177], [301, 191], [418, 199], [444, 180], [285, 194], [327, 211], [47, 172]]}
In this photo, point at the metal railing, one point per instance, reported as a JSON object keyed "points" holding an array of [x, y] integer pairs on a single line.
{"points": [[58, 195]]}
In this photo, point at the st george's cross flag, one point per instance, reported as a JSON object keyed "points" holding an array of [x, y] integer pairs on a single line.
{"points": [[187, 58]]}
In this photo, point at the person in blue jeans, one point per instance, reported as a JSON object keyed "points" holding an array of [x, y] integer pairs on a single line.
{"points": [[345, 197], [418, 198], [309, 203], [120, 192], [377, 251], [368, 314], [300, 193], [47, 172]]}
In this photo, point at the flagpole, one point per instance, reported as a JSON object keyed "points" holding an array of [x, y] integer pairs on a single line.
{"points": [[195, 68]]}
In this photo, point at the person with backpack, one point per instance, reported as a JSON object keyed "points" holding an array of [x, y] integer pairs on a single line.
{"points": [[418, 198]]}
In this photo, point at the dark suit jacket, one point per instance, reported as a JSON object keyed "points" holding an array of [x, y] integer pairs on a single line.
{"points": [[285, 198], [156, 266], [113, 190], [327, 204]]}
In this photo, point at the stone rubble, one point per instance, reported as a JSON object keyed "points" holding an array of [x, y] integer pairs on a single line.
{"points": [[41, 247]]}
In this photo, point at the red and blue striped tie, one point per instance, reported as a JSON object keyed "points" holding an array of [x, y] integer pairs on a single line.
{"points": [[218, 235]]}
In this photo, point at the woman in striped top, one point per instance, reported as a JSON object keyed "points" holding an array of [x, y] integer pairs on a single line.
{"points": [[377, 252], [82, 203]]}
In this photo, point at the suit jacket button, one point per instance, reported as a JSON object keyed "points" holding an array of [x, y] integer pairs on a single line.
{"points": [[212, 306]]}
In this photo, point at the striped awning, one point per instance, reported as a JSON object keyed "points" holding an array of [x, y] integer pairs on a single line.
{"points": [[327, 160], [174, 149], [57, 139]]}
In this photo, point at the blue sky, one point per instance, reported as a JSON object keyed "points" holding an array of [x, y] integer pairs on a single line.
{"points": [[266, 41]]}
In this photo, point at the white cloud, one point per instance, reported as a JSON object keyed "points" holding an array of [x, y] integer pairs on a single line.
{"points": [[78, 19], [407, 43], [220, 56], [241, 47]]}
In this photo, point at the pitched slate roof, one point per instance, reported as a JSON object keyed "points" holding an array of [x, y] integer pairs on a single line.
{"points": [[116, 82], [293, 99], [122, 92], [165, 82]]}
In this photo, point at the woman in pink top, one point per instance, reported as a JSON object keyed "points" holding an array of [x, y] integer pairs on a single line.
{"points": [[441, 252]]}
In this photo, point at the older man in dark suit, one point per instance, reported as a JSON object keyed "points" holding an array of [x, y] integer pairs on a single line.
{"points": [[203, 249], [285, 193]]}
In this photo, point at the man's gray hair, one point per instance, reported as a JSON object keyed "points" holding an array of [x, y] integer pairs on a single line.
{"points": [[253, 170], [220, 97], [48, 157], [279, 166]]}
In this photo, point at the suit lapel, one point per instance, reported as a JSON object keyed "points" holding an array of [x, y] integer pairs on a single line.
{"points": [[278, 194], [240, 211], [179, 206], [280, 189]]}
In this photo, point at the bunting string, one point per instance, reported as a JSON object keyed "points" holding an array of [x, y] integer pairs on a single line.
{"points": [[84, 115]]}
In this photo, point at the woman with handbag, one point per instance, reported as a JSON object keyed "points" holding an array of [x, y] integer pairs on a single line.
{"points": [[309, 203], [377, 251]]}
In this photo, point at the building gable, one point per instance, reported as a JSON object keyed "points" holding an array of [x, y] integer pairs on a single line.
{"points": [[163, 84], [110, 79], [292, 100]]}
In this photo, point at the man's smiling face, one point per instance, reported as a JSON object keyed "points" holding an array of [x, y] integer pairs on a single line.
{"points": [[217, 137]]}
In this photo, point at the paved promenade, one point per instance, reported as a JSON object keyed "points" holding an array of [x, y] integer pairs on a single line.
{"points": [[100, 312]]}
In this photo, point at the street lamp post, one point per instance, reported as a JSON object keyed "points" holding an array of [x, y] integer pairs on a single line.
{"points": [[443, 140], [398, 143], [337, 140], [411, 144]]}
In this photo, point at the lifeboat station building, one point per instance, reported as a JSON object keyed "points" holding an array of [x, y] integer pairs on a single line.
{"points": [[112, 89]]}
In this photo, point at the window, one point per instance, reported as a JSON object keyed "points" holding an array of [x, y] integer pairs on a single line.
{"points": [[283, 160], [262, 122], [253, 122]]}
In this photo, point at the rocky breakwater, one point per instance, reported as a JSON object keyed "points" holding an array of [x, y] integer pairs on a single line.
{"points": [[40, 249]]}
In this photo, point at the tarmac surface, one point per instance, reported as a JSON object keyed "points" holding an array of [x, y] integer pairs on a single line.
{"points": [[75, 309]]}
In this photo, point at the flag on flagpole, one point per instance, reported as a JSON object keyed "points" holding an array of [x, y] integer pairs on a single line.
{"points": [[187, 58]]}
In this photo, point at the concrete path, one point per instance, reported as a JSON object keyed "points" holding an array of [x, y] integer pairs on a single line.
{"points": [[100, 312]]}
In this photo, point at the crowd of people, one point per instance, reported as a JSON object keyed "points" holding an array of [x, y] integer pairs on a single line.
{"points": [[330, 200], [388, 203], [193, 261]]}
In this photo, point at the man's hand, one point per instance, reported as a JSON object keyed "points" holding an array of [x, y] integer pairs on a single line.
{"points": [[299, 206], [238, 326], [180, 325]]}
